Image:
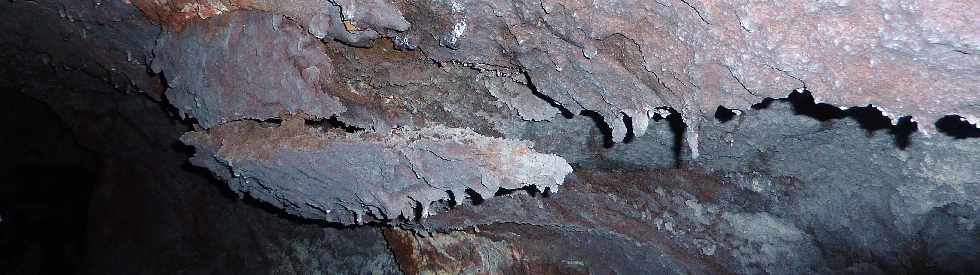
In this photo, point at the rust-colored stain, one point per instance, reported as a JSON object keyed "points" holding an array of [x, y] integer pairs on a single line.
{"points": [[403, 247], [174, 14]]}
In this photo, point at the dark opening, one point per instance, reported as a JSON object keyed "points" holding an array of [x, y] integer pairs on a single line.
{"points": [[763, 104], [530, 190], [804, 104], [474, 197], [452, 198], [600, 122], [628, 121], [868, 117], [551, 101], [417, 212], [272, 122], [957, 127], [676, 123], [903, 130], [724, 114], [333, 123]]}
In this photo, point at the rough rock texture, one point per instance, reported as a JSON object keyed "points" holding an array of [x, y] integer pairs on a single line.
{"points": [[657, 119], [628, 57], [685, 55], [776, 194], [354, 22], [357, 178], [252, 65]]}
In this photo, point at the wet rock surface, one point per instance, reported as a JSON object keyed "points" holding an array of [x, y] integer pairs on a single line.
{"points": [[488, 137]]}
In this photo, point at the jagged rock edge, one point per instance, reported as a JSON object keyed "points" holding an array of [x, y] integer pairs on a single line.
{"points": [[222, 169]]}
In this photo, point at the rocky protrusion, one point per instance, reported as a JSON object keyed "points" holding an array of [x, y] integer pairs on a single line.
{"points": [[245, 65], [353, 178]]}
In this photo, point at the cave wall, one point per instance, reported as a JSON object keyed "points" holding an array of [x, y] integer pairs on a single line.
{"points": [[98, 182], [309, 136]]}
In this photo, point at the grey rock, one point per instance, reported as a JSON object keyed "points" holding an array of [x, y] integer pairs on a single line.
{"points": [[245, 65], [367, 176]]}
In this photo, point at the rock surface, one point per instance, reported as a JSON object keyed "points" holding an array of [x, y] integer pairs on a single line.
{"points": [[362, 177], [776, 193], [249, 66], [688, 136]]}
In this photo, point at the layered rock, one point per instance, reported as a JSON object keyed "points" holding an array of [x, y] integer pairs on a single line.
{"points": [[248, 66], [362, 177]]}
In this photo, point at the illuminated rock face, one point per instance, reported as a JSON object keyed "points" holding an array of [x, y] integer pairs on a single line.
{"points": [[633, 136], [276, 70], [357, 178], [623, 60]]}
